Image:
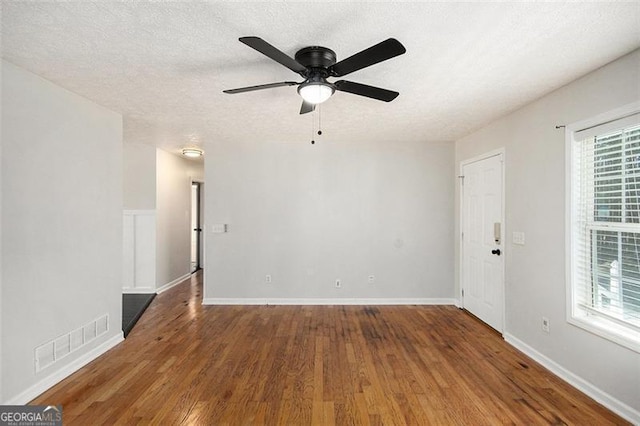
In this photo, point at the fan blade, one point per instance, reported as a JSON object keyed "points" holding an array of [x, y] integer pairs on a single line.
{"points": [[268, 50], [307, 107], [364, 90], [380, 52], [260, 87]]}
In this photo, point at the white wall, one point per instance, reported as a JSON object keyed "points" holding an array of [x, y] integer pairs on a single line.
{"points": [[139, 218], [173, 216], [203, 223], [1, 395], [535, 205], [194, 168], [61, 224], [139, 177], [309, 214]]}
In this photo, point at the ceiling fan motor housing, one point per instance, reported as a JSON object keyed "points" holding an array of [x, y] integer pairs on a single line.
{"points": [[316, 57]]}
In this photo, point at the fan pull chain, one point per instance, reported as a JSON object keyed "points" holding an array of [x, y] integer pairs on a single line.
{"points": [[313, 128], [317, 110]]}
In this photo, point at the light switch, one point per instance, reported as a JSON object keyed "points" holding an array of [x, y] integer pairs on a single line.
{"points": [[220, 228], [518, 238]]}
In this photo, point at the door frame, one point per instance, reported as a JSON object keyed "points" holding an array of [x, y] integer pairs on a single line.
{"points": [[199, 239], [496, 152]]}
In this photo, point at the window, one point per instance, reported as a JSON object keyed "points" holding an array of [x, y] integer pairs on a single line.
{"points": [[604, 188]]}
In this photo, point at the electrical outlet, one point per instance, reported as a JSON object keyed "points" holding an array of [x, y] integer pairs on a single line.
{"points": [[338, 283], [267, 279], [372, 279], [545, 324]]}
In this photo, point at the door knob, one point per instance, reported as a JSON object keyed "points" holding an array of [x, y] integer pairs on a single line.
{"points": [[496, 251]]}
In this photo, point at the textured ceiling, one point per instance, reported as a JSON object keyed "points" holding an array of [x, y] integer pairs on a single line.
{"points": [[163, 65]]}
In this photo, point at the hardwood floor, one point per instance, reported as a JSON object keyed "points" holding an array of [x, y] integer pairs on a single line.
{"points": [[185, 363]]}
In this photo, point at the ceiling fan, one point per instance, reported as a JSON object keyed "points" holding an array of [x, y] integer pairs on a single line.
{"points": [[315, 64]]}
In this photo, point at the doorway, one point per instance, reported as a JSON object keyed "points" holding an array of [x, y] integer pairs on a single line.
{"points": [[482, 238], [196, 226]]}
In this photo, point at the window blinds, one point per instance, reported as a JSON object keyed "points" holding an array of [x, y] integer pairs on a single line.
{"points": [[607, 221]]}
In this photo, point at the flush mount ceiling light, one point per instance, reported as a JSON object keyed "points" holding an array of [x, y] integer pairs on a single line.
{"points": [[315, 92], [192, 152]]}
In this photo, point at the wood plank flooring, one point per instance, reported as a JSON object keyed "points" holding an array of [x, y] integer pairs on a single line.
{"points": [[185, 363]]}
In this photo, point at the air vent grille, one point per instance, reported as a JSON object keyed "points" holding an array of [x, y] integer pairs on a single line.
{"points": [[54, 350]]}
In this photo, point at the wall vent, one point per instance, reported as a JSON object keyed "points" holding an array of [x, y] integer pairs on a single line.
{"points": [[53, 351]]}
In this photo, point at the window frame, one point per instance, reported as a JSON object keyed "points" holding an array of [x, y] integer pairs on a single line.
{"points": [[580, 317]]}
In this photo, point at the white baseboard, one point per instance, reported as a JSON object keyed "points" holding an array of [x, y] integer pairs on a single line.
{"points": [[618, 407], [138, 290], [336, 301], [172, 283], [57, 376]]}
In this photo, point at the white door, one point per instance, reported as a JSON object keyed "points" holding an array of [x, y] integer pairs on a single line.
{"points": [[482, 240]]}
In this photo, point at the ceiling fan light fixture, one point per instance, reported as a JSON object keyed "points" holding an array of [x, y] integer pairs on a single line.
{"points": [[316, 92], [316, 63], [192, 152]]}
